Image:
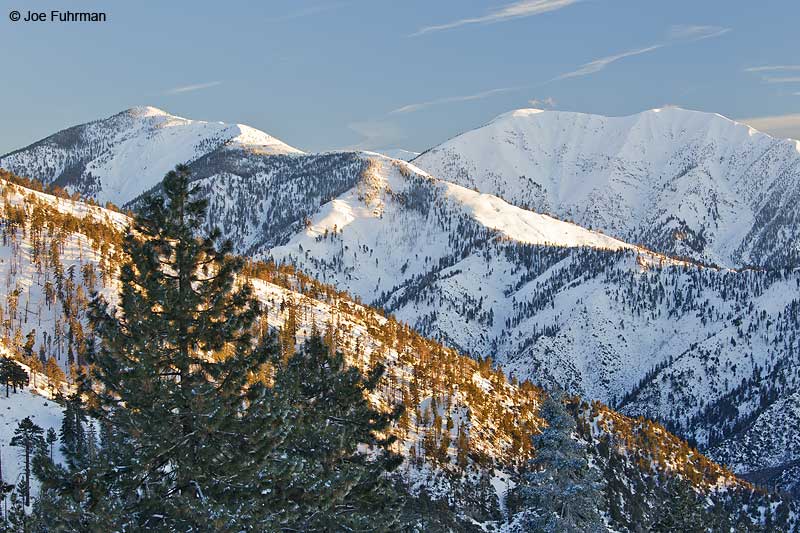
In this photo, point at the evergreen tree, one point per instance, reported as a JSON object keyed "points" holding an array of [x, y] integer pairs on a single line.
{"points": [[188, 433], [53, 372], [561, 493], [30, 342], [73, 424], [424, 514], [336, 486], [685, 511], [51, 440], [17, 520], [28, 437], [202, 428], [12, 374]]}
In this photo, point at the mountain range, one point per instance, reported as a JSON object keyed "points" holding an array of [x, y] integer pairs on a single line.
{"points": [[649, 262], [465, 435], [98, 159], [681, 182]]}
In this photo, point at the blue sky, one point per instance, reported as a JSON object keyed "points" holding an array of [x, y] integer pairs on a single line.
{"points": [[378, 74]]}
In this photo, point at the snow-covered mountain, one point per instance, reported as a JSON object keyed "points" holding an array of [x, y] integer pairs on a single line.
{"points": [[55, 250], [554, 302], [767, 448], [118, 158], [681, 182], [708, 351]]}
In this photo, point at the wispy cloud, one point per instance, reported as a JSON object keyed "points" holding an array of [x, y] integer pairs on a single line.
{"points": [[519, 9], [676, 35], [786, 126], [599, 64], [195, 87], [695, 32], [776, 70], [410, 108], [782, 79], [772, 68]]}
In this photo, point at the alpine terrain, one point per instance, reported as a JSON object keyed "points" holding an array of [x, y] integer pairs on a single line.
{"points": [[646, 263], [682, 182]]}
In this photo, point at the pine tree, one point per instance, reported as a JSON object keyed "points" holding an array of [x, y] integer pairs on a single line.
{"points": [[51, 439], [54, 373], [462, 446], [561, 493], [12, 374], [17, 520], [73, 424], [30, 342], [28, 437], [188, 433], [335, 486]]}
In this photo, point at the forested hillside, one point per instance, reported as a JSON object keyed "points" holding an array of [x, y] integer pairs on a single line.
{"points": [[465, 432]]}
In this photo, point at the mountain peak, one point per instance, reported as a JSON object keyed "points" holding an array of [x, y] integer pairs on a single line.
{"points": [[682, 182], [118, 158], [145, 111], [691, 117], [664, 111]]}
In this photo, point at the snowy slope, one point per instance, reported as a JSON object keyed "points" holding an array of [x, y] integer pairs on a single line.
{"points": [[260, 202], [680, 182], [770, 448], [118, 158], [553, 302], [398, 222], [549, 300], [498, 415], [43, 412]]}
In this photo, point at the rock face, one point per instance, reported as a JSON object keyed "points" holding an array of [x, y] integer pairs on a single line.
{"points": [[680, 182]]}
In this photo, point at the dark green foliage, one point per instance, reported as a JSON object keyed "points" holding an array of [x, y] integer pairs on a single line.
{"points": [[28, 437], [193, 437], [17, 520], [689, 512], [30, 341], [685, 512], [187, 431], [51, 439], [12, 374], [73, 426], [422, 514], [333, 486]]}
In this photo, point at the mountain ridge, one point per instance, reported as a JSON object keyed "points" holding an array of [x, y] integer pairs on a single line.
{"points": [[686, 183], [99, 159], [662, 334]]}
